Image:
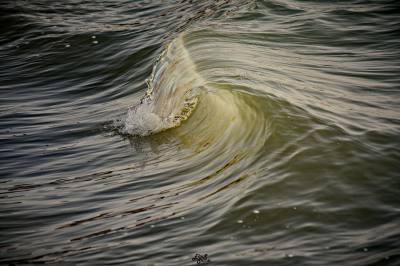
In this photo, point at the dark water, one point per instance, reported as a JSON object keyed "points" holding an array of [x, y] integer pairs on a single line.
{"points": [[144, 132]]}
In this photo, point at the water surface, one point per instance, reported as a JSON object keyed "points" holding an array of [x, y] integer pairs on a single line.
{"points": [[144, 132]]}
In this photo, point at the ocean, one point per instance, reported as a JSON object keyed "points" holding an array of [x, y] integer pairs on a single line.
{"points": [[218, 132]]}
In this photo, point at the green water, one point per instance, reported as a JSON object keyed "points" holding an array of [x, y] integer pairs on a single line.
{"points": [[146, 132]]}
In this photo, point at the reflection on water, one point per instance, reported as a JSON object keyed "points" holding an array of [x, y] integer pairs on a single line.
{"points": [[147, 133]]}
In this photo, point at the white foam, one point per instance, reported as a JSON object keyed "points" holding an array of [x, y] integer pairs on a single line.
{"points": [[141, 121]]}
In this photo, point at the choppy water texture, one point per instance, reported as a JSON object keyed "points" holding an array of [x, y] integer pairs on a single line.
{"points": [[144, 132]]}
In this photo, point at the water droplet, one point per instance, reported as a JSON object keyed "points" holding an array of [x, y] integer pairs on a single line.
{"points": [[67, 45], [183, 218], [93, 37], [256, 211], [290, 255], [152, 225], [365, 249], [294, 208], [95, 42], [239, 221]]}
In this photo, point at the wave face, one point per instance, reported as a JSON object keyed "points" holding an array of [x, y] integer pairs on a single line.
{"points": [[146, 132]]}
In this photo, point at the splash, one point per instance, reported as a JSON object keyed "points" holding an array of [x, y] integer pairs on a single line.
{"points": [[172, 93]]}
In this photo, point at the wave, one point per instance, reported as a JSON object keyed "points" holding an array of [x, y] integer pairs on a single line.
{"points": [[178, 86], [219, 120], [172, 93]]}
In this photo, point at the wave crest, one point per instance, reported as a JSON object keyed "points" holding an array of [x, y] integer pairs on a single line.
{"points": [[172, 93]]}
